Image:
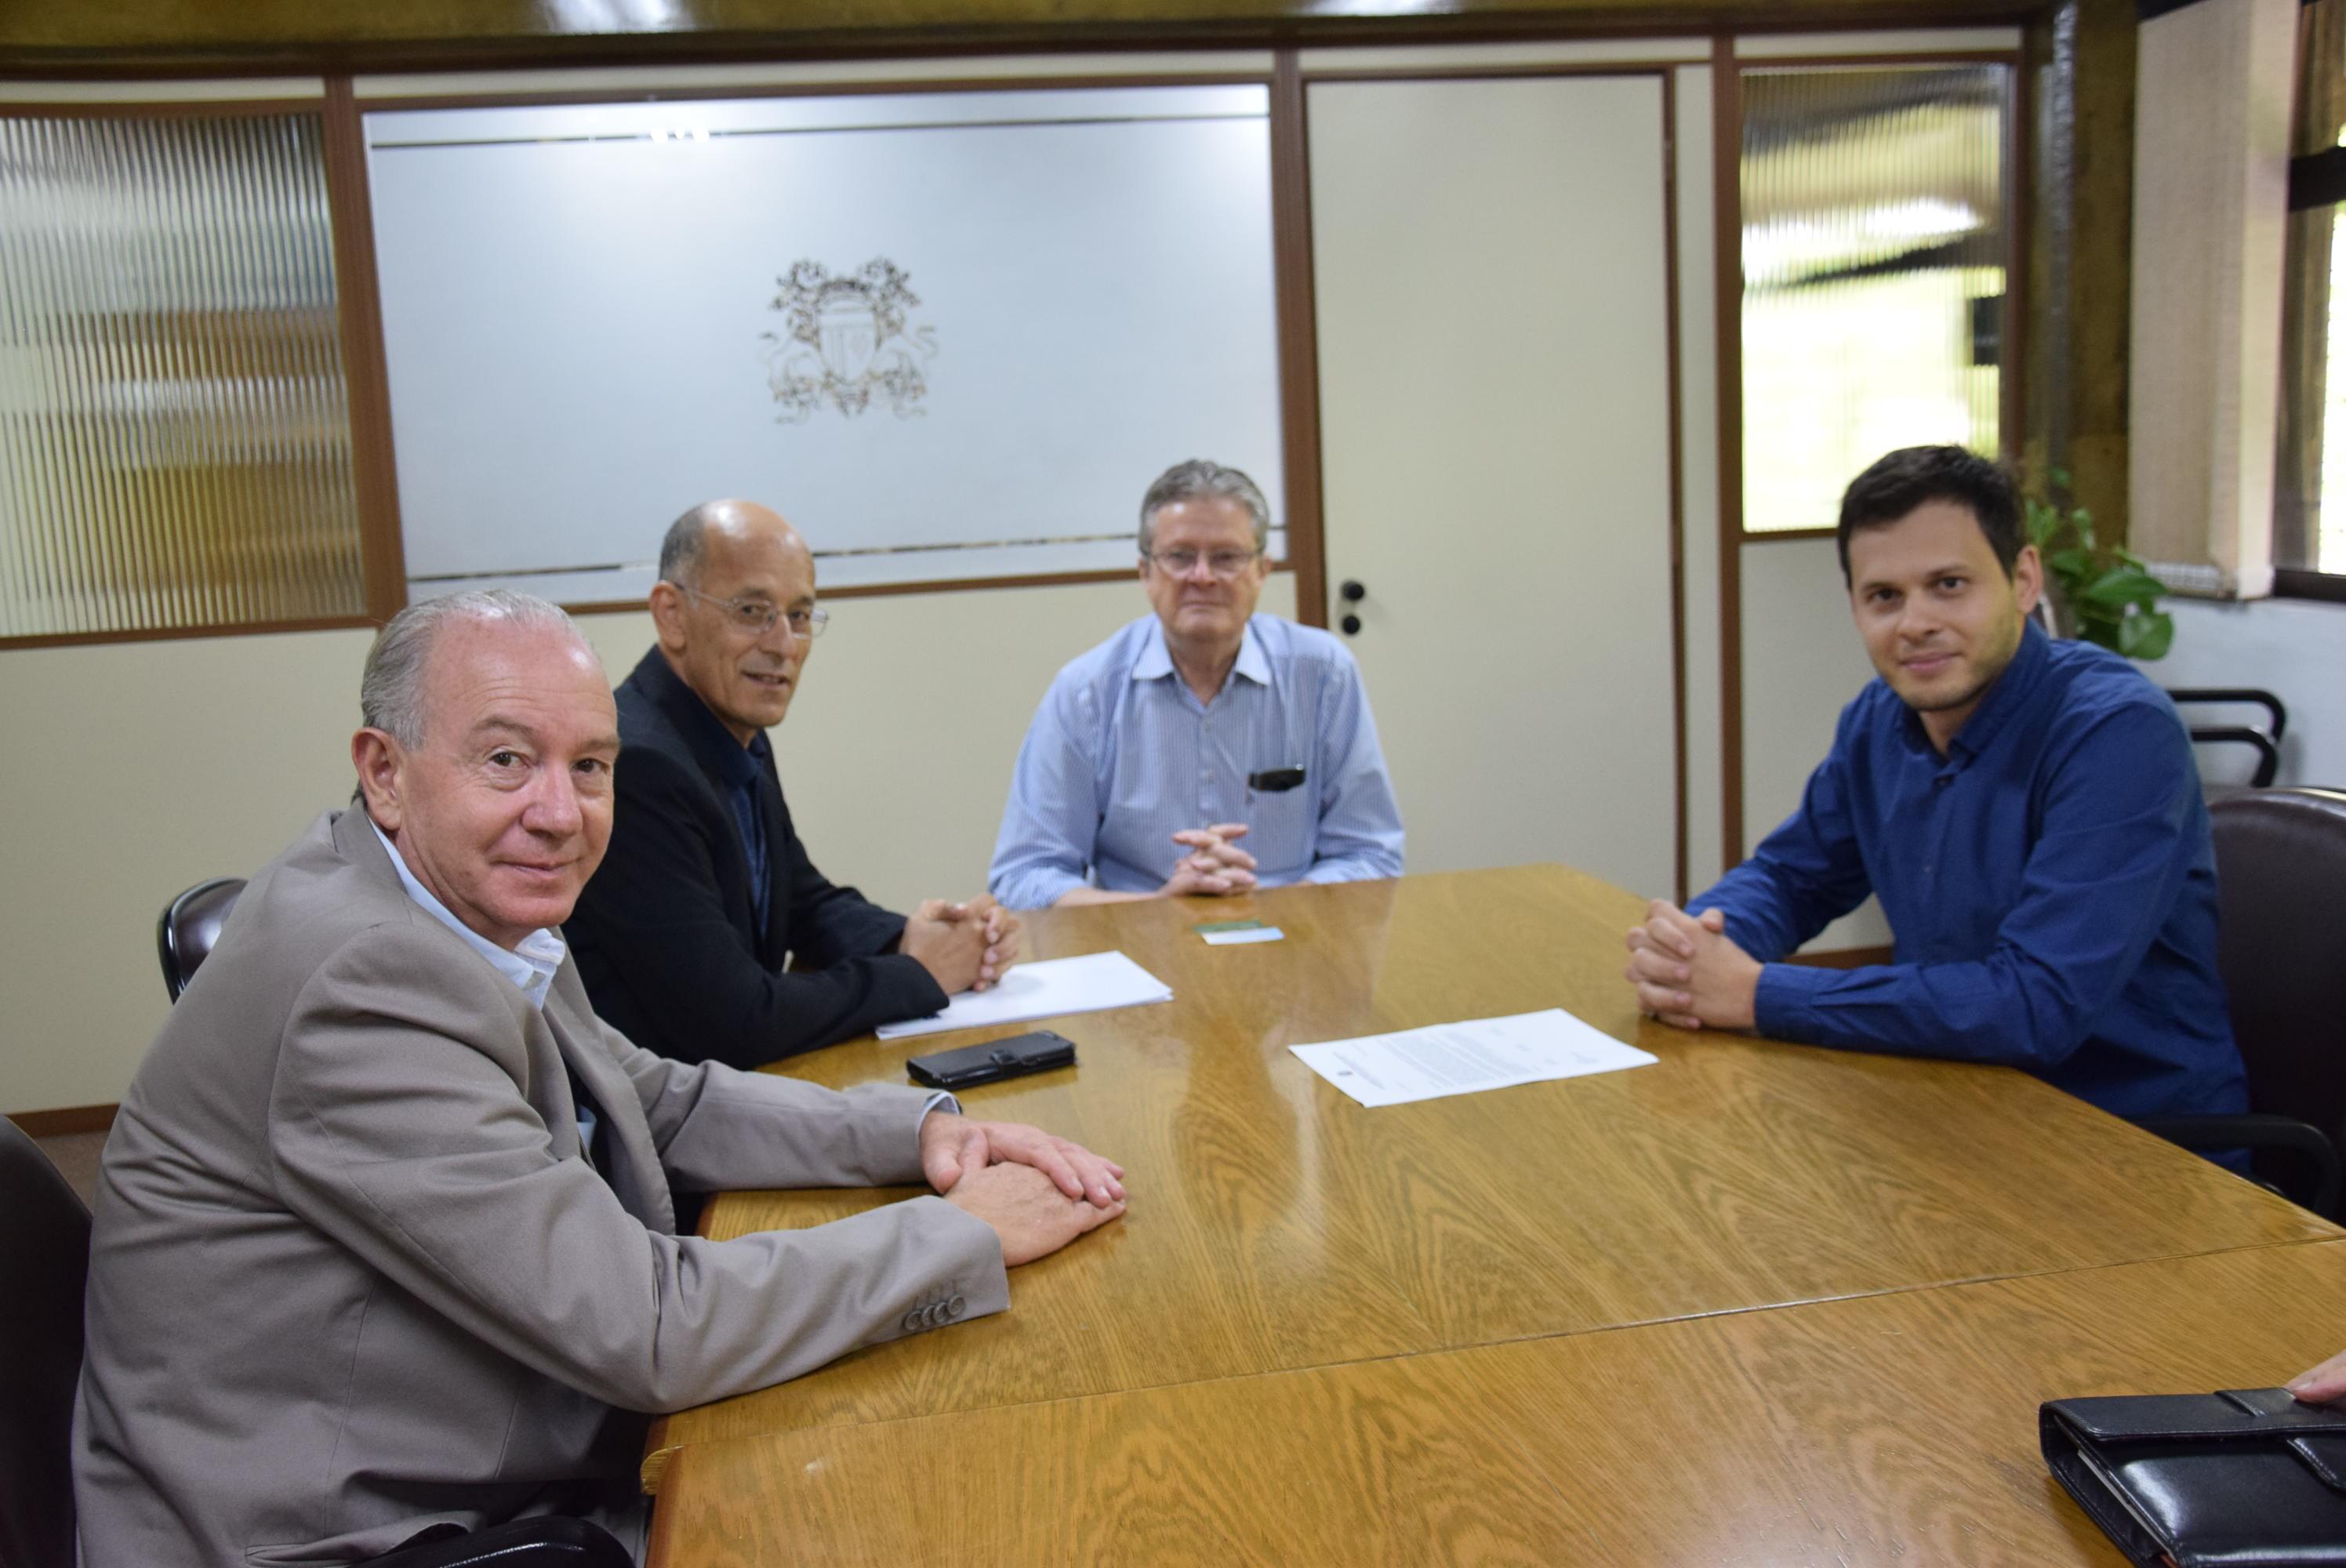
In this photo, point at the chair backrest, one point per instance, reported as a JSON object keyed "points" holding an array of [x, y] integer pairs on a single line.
{"points": [[2280, 866], [189, 927], [44, 1261]]}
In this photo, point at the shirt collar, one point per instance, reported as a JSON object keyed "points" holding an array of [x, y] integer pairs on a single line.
{"points": [[530, 966], [743, 764], [1155, 660], [2007, 698]]}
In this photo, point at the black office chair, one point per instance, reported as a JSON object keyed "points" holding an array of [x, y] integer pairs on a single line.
{"points": [[2265, 743], [190, 927], [2281, 867], [44, 1258]]}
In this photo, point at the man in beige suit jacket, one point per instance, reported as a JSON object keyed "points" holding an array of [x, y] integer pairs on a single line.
{"points": [[384, 1239]]}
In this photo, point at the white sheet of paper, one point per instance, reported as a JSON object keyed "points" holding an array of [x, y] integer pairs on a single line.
{"points": [[1056, 986], [1232, 938], [1466, 1058]]}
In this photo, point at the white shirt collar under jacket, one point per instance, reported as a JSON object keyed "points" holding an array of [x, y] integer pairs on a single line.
{"points": [[531, 966]]}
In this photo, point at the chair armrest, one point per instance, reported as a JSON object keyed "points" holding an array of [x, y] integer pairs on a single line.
{"points": [[2267, 752], [2263, 699], [2284, 1135]]}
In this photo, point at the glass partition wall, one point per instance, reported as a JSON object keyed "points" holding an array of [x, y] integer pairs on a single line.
{"points": [[175, 445], [1874, 251]]}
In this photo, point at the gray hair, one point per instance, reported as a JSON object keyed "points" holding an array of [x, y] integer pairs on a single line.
{"points": [[1200, 480], [391, 687], [680, 556]]}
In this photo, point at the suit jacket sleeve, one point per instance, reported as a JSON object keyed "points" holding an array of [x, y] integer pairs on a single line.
{"points": [[696, 990], [398, 1126], [718, 1128]]}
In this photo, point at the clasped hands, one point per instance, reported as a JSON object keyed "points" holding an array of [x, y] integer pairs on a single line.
{"points": [[1215, 865], [1689, 972], [1037, 1191], [967, 946]]}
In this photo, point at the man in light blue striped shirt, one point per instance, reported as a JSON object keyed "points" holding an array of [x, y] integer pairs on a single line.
{"points": [[1203, 748]]}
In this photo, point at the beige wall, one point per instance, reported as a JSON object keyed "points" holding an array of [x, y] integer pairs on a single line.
{"points": [[135, 769], [131, 771], [1802, 662]]}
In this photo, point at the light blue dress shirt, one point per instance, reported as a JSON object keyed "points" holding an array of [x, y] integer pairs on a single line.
{"points": [[1122, 755]]}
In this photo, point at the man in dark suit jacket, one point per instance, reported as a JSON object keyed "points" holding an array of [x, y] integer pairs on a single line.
{"points": [[707, 892]]}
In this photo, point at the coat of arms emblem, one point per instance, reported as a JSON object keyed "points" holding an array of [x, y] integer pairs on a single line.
{"points": [[845, 341]]}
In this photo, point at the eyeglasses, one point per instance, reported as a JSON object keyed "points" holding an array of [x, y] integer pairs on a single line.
{"points": [[1224, 565], [756, 618]]}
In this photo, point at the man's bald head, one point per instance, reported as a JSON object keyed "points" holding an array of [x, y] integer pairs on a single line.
{"points": [[684, 549], [733, 576]]}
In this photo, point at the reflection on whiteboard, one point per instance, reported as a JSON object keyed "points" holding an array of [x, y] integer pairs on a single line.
{"points": [[948, 334]]}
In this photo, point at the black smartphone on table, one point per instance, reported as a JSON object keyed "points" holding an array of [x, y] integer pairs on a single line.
{"points": [[992, 1061]]}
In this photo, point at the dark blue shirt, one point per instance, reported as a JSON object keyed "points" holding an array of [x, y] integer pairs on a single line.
{"points": [[743, 765], [2051, 882]]}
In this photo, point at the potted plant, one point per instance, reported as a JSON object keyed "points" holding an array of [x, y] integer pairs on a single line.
{"points": [[2102, 593]]}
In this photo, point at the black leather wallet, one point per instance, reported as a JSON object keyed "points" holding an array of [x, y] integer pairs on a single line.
{"points": [[2242, 1478], [1036, 1053]]}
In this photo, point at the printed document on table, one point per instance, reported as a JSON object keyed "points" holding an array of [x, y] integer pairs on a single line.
{"points": [[1092, 983], [1465, 1058]]}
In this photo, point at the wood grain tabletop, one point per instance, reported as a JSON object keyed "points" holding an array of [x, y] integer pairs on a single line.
{"points": [[1897, 1430], [1277, 1226]]}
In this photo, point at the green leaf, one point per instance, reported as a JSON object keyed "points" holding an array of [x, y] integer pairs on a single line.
{"points": [[2125, 585], [2072, 565], [2147, 636]]}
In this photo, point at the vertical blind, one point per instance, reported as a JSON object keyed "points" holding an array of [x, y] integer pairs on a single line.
{"points": [[1875, 245], [174, 429]]}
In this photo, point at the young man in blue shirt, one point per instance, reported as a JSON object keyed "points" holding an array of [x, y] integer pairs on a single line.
{"points": [[2028, 809]]}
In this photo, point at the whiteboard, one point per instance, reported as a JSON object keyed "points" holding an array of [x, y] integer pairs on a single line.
{"points": [[950, 335]]}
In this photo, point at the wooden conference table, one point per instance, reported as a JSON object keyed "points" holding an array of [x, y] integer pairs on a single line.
{"points": [[1756, 1303]]}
